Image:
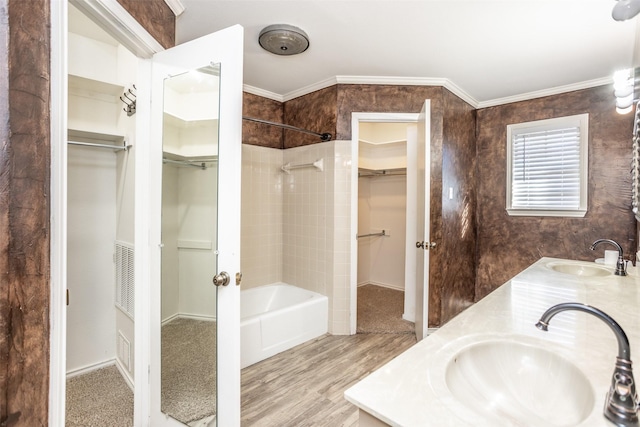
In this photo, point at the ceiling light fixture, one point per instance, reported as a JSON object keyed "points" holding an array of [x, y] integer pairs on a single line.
{"points": [[625, 9], [283, 39]]}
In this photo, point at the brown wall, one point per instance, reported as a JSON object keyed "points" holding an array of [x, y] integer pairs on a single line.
{"points": [[260, 134], [24, 220], [453, 263], [316, 112], [156, 17], [507, 245]]}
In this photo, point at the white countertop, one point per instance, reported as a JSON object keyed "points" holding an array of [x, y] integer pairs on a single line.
{"points": [[410, 390]]}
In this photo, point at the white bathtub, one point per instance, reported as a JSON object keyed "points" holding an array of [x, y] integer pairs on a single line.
{"points": [[276, 317]]}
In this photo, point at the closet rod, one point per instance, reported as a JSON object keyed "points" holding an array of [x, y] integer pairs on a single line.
{"points": [[202, 166], [382, 233], [323, 136], [94, 145]]}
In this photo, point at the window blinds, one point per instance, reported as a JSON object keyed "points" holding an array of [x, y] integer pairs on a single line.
{"points": [[546, 169]]}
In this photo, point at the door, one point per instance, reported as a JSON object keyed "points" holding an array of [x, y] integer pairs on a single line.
{"points": [[423, 197], [196, 127]]}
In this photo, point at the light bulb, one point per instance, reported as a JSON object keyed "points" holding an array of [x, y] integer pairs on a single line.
{"points": [[624, 110], [625, 101]]}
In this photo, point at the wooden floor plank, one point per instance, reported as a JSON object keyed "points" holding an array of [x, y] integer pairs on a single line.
{"points": [[304, 386]]}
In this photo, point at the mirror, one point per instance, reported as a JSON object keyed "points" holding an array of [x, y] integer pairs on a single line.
{"points": [[189, 241]]}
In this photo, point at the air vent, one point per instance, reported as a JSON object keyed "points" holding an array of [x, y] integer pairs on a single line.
{"points": [[125, 284]]}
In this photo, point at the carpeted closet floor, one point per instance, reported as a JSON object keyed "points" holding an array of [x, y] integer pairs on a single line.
{"points": [[380, 311], [99, 399]]}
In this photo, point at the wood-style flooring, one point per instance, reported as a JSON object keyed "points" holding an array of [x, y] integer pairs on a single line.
{"points": [[304, 386]]}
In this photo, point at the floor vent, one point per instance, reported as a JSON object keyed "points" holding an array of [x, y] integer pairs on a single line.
{"points": [[124, 351], [125, 282]]}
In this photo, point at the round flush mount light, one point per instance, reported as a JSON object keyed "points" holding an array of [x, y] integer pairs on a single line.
{"points": [[283, 39], [625, 9]]}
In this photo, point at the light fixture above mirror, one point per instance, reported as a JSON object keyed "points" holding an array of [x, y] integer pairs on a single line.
{"points": [[623, 90]]}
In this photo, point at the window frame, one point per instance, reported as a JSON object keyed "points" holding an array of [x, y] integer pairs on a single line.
{"points": [[582, 122]]}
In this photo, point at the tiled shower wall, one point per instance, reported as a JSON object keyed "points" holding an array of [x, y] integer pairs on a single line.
{"points": [[295, 227], [262, 216]]}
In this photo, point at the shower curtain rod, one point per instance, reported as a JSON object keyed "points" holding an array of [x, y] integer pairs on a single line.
{"points": [[323, 136], [124, 145]]}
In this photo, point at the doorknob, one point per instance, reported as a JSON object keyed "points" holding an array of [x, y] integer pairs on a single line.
{"points": [[221, 279], [426, 245]]}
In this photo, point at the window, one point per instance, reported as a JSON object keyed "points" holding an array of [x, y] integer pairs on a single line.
{"points": [[547, 167]]}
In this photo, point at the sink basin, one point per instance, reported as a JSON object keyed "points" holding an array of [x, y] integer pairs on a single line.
{"points": [[515, 383], [580, 269]]}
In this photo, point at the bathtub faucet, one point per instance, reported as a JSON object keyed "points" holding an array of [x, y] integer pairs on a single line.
{"points": [[621, 269], [622, 404]]}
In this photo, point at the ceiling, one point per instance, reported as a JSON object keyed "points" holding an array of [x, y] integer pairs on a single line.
{"points": [[487, 52]]}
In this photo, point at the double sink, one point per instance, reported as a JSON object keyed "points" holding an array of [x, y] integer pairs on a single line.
{"points": [[490, 366]]}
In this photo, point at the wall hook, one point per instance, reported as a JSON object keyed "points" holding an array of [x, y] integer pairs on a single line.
{"points": [[130, 102]]}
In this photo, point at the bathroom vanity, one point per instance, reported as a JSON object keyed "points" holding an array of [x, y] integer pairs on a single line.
{"points": [[491, 366]]}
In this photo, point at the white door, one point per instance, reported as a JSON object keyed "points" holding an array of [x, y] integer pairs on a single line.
{"points": [[423, 199], [218, 55]]}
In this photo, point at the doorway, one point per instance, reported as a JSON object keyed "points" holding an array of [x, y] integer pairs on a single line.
{"points": [[382, 215], [100, 335], [375, 162]]}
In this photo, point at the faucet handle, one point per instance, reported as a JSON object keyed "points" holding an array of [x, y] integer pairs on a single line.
{"points": [[623, 385]]}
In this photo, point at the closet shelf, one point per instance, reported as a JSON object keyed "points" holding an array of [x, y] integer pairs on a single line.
{"points": [[80, 83], [95, 138]]}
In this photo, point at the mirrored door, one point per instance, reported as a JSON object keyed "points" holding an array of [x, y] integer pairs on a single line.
{"points": [[189, 240], [195, 158]]}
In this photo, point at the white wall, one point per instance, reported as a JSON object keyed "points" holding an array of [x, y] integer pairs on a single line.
{"points": [[170, 301], [91, 313], [197, 220], [189, 218], [382, 204]]}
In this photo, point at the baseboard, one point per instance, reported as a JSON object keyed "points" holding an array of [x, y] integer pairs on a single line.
{"points": [[90, 368], [405, 317], [170, 319], [125, 374], [431, 330], [205, 317], [382, 285]]}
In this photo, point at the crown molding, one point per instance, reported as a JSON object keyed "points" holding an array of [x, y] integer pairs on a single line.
{"points": [[426, 81], [263, 93], [546, 92], [383, 80], [176, 7], [310, 88]]}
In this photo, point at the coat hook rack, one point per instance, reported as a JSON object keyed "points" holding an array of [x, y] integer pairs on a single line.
{"points": [[129, 101]]}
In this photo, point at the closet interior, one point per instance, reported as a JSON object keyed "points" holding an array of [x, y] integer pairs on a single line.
{"points": [[100, 205], [382, 205]]}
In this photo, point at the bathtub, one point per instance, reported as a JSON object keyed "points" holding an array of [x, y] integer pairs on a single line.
{"points": [[277, 317]]}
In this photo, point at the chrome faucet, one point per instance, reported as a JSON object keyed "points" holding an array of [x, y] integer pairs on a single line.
{"points": [[622, 405], [621, 269]]}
